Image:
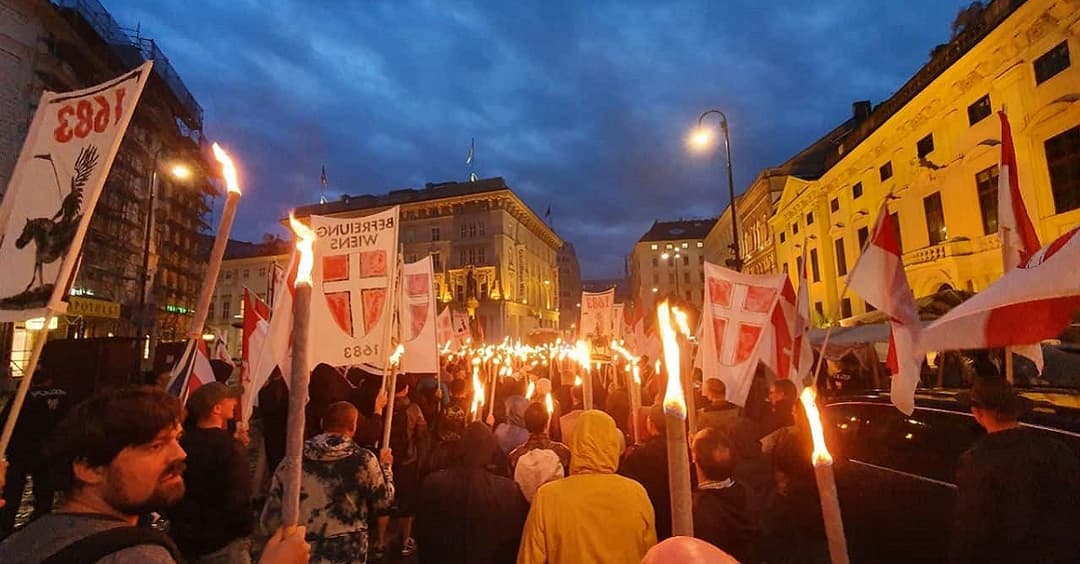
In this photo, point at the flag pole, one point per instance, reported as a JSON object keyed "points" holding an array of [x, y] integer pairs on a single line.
{"points": [[844, 291]]}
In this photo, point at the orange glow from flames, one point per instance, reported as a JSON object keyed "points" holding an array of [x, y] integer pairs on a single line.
{"points": [[530, 390], [228, 169], [821, 452], [305, 242], [674, 400], [550, 404]]}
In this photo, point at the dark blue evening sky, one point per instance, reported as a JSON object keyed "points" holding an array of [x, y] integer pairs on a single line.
{"points": [[580, 105]]}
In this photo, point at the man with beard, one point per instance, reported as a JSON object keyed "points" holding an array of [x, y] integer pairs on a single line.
{"points": [[117, 456]]}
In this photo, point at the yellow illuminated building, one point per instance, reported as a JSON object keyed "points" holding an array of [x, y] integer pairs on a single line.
{"points": [[933, 151]]}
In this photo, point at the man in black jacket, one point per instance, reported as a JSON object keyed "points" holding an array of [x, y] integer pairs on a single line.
{"points": [[648, 466], [215, 518], [1018, 497], [722, 514]]}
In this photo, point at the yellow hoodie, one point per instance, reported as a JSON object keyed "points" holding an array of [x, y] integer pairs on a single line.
{"points": [[594, 515]]}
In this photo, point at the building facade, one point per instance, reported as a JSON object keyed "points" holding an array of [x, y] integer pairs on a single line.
{"points": [[138, 274], [569, 287], [668, 261], [493, 256], [929, 156], [254, 266]]}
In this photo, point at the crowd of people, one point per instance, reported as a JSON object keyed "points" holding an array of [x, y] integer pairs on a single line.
{"points": [[141, 478]]}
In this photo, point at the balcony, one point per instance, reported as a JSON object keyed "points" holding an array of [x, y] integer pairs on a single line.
{"points": [[957, 247]]}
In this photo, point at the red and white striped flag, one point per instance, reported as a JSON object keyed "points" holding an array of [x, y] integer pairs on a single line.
{"points": [[191, 370], [1032, 302], [879, 278], [274, 349], [1018, 237]]}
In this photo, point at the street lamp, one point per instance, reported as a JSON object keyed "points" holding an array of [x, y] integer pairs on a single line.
{"points": [[179, 171], [702, 138]]}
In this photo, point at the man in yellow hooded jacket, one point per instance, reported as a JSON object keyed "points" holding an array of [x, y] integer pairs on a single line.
{"points": [[594, 515]]}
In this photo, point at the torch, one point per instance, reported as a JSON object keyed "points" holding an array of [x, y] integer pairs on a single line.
{"points": [[395, 361], [217, 253], [530, 390], [478, 390], [551, 413], [299, 378], [585, 360], [826, 482], [684, 372], [635, 387], [682, 516]]}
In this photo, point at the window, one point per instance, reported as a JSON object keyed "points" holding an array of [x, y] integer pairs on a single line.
{"points": [[834, 205], [794, 228], [925, 146], [210, 312], [1052, 62], [436, 261], [798, 266], [841, 258], [845, 308], [864, 234], [481, 229], [701, 259], [686, 277], [246, 274], [820, 309], [856, 191], [986, 183], [700, 244], [655, 278], [686, 260], [668, 246], [870, 307], [654, 246], [686, 245], [435, 234], [1063, 160], [783, 236], [228, 275], [464, 231], [226, 301], [896, 230], [472, 230], [464, 258], [814, 271], [935, 218], [481, 256], [810, 218], [688, 295], [979, 110], [885, 172], [671, 277]]}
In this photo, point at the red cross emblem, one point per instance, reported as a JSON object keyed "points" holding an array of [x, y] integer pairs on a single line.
{"points": [[344, 273], [739, 314]]}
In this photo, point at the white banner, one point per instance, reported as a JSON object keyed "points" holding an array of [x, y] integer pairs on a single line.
{"points": [[597, 309], [58, 177], [418, 318], [618, 326], [461, 328], [444, 328], [737, 311], [354, 274]]}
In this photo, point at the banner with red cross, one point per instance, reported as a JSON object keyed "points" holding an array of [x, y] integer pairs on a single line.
{"points": [[417, 314], [354, 273], [737, 311]]}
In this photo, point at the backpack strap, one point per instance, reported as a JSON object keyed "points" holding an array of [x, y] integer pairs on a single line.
{"points": [[94, 547]]}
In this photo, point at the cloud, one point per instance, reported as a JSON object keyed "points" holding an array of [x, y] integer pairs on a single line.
{"points": [[583, 106]]}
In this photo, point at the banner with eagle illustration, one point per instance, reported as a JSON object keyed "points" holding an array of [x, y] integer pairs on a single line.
{"points": [[61, 169], [354, 281]]}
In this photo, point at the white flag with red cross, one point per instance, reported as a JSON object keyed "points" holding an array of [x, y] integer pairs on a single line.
{"points": [[417, 311], [353, 284], [738, 310]]}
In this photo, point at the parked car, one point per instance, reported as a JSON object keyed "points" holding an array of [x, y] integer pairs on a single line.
{"points": [[896, 474]]}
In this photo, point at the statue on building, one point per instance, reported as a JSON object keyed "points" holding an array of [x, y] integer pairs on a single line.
{"points": [[470, 285]]}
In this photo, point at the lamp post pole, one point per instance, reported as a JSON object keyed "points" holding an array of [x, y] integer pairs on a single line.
{"points": [[144, 285], [735, 263]]}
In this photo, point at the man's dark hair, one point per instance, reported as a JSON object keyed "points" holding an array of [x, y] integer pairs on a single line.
{"points": [[458, 388], [96, 430], [339, 416], [536, 417], [707, 446]]}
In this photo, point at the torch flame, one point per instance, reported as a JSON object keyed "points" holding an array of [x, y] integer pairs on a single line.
{"points": [[305, 242], [550, 404], [577, 380], [637, 374], [228, 169], [821, 452], [530, 390], [395, 358], [681, 320], [674, 401], [478, 391]]}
